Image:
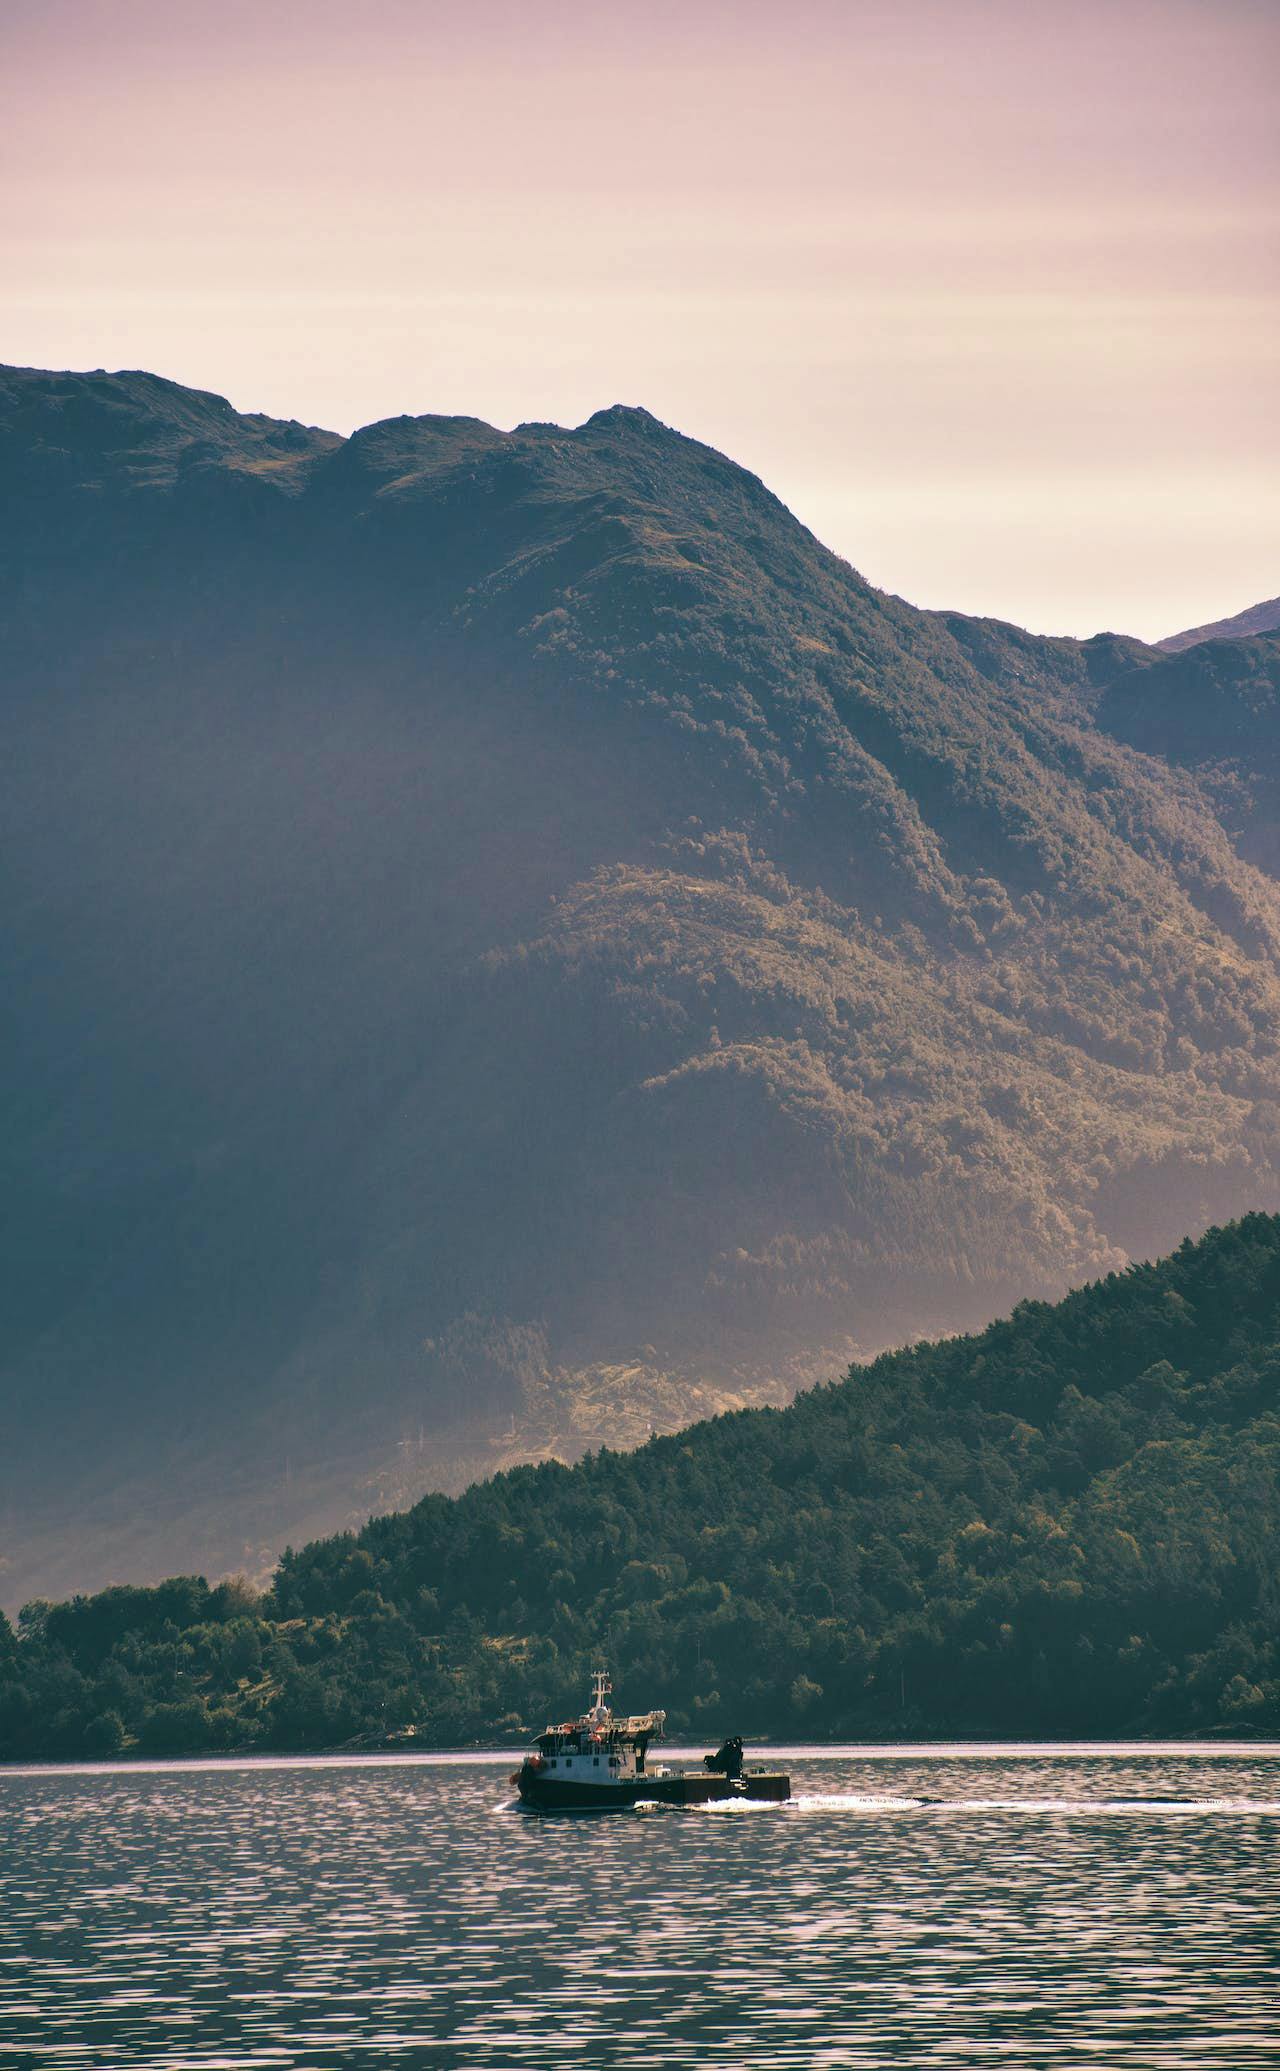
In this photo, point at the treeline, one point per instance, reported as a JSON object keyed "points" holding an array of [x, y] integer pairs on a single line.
{"points": [[1063, 1525]]}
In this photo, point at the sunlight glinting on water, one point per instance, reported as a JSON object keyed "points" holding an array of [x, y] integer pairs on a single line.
{"points": [[1023, 1907]]}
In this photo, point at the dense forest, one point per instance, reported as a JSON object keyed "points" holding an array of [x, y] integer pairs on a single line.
{"points": [[1065, 1524]]}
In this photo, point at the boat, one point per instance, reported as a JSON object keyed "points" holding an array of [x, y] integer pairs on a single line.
{"points": [[600, 1763]]}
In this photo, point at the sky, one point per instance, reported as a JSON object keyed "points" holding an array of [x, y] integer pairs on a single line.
{"points": [[986, 290]]}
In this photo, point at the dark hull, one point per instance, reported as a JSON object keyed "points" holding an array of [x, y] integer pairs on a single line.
{"points": [[554, 1794]]}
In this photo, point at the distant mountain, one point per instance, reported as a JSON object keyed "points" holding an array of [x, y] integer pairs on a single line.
{"points": [[1259, 618], [512, 944], [1213, 709], [1064, 1525]]}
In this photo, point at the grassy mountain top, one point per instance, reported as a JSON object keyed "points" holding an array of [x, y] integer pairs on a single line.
{"points": [[114, 433], [1064, 1524]]}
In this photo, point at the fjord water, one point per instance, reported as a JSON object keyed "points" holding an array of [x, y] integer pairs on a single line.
{"points": [[932, 1907]]}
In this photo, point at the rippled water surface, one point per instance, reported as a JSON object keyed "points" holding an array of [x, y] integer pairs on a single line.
{"points": [[1109, 1907]]}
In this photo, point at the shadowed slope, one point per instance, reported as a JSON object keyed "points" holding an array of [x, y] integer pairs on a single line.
{"points": [[1213, 708]]}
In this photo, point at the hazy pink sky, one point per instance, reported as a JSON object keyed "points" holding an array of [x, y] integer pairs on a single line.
{"points": [[987, 290]]}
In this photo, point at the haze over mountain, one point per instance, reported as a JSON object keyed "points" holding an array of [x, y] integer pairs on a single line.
{"points": [[512, 944], [1259, 618], [1064, 1524]]}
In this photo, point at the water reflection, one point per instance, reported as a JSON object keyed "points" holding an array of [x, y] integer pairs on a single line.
{"points": [[935, 1909]]}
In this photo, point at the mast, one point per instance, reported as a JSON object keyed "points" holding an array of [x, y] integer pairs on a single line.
{"points": [[602, 1690]]}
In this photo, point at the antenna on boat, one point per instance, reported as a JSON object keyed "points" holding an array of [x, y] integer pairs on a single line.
{"points": [[601, 1690]]}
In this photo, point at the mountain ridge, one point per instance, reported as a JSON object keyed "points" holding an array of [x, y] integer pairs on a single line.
{"points": [[1257, 618]]}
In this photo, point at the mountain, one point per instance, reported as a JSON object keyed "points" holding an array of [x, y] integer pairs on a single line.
{"points": [[1213, 709], [513, 945], [1259, 618], [1064, 1525]]}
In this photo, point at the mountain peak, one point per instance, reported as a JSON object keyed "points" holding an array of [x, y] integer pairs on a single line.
{"points": [[628, 417]]}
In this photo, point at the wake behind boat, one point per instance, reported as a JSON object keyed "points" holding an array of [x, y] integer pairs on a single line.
{"points": [[599, 1763]]}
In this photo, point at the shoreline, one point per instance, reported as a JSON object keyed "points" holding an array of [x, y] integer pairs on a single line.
{"points": [[1221, 1747]]}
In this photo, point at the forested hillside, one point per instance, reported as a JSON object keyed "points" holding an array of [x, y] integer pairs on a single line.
{"points": [[511, 945], [1066, 1524]]}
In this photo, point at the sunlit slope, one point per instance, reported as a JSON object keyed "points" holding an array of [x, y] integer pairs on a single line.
{"points": [[513, 944]]}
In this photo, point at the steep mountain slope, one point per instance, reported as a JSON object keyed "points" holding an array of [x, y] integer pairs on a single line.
{"points": [[513, 944], [1215, 709], [1066, 1524], [1259, 618]]}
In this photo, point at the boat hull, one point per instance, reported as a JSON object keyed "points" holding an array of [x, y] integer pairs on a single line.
{"points": [[692, 1787]]}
